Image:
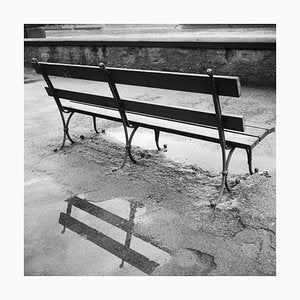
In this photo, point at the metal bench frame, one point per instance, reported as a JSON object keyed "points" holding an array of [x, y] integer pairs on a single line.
{"points": [[126, 124]]}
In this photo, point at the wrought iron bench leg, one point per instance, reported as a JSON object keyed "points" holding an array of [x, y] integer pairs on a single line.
{"points": [[225, 173], [128, 148], [95, 124], [66, 129], [226, 162], [249, 158], [227, 167], [156, 132], [129, 144]]}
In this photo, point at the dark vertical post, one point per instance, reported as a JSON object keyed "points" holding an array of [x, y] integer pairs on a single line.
{"points": [[115, 94], [39, 69], [95, 124], [217, 107], [122, 113], [156, 132], [220, 127], [249, 159]]}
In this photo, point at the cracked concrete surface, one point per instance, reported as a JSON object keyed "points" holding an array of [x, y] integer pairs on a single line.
{"points": [[238, 238]]}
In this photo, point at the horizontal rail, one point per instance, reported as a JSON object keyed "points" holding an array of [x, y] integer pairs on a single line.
{"points": [[186, 115], [187, 82]]}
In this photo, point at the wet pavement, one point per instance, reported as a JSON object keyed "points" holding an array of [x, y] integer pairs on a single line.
{"points": [[95, 239], [186, 151], [152, 218], [112, 229]]}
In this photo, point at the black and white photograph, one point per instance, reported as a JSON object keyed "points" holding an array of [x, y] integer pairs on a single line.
{"points": [[149, 150]]}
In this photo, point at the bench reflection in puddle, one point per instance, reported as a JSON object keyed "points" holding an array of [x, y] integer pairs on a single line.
{"points": [[103, 219]]}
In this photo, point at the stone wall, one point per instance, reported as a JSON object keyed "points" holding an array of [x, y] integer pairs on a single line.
{"points": [[253, 66]]}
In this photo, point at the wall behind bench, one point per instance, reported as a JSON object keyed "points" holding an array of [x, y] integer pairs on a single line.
{"points": [[253, 62]]}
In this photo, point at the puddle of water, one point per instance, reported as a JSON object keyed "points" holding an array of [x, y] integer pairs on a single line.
{"points": [[189, 151], [110, 225]]}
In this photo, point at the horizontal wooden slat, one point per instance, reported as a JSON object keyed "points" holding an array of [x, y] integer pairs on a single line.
{"points": [[189, 116], [235, 139], [260, 133], [252, 131], [129, 255], [198, 83], [268, 128], [161, 111]]}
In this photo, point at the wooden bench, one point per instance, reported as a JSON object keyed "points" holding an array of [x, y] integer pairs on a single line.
{"points": [[230, 131]]}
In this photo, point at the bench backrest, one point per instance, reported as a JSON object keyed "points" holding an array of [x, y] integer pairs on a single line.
{"points": [[197, 83]]}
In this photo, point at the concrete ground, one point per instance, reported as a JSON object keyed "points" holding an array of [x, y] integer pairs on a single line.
{"points": [[175, 229]]}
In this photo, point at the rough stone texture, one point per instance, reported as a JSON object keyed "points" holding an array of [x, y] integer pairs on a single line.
{"points": [[254, 67]]}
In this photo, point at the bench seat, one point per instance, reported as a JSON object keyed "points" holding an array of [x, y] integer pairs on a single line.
{"points": [[248, 139]]}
